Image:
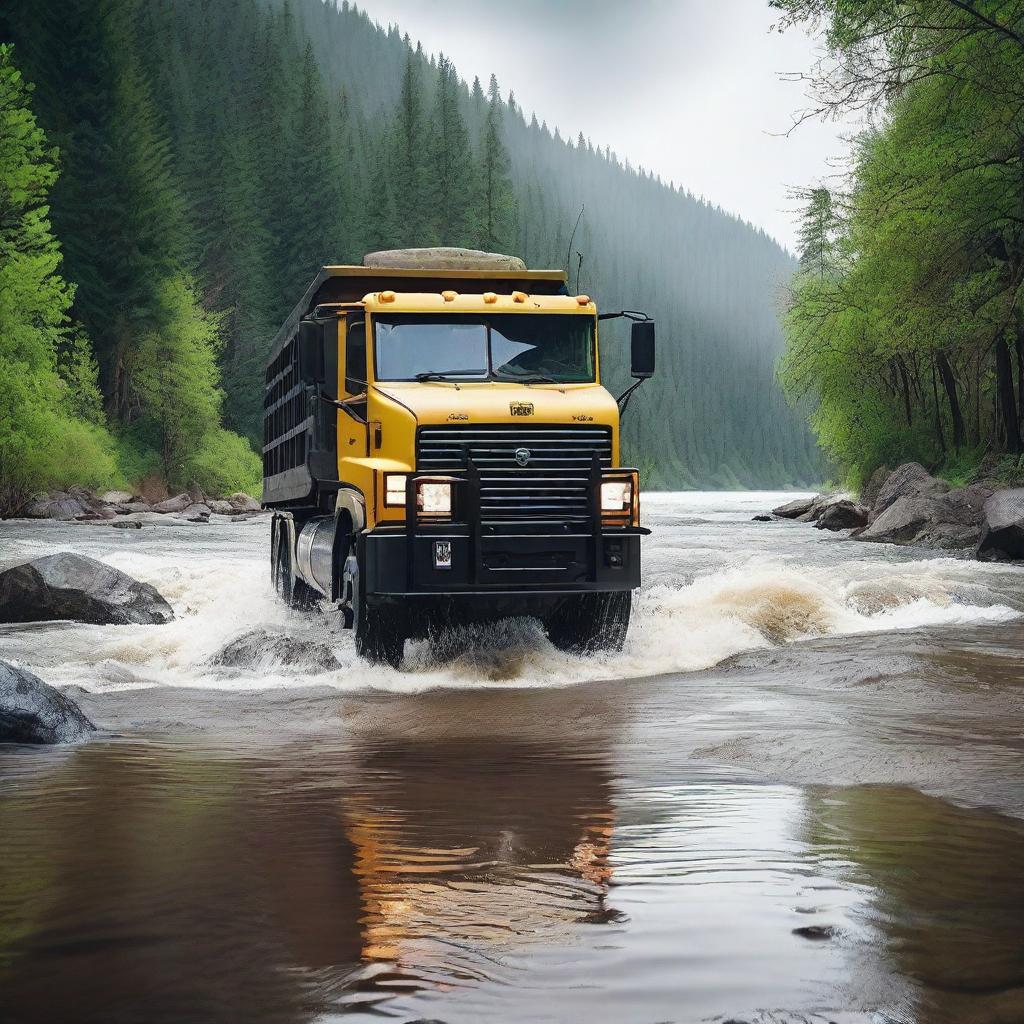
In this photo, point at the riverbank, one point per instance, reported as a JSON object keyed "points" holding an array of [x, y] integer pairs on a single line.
{"points": [[909, 506], [132, 509]]}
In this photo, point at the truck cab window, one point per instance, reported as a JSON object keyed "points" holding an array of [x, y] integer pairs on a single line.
{"points": [[355, 357], [518, 347]]}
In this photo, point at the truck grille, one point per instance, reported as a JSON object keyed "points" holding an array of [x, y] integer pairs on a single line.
{"points": [[553, 484]]}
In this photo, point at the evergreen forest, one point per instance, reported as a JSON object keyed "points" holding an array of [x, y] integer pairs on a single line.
{"points": [[173, 173], [904, 325]]}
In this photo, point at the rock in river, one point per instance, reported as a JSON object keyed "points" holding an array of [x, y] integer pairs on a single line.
{"points": [[794, 508], [1002, 531], [70, 586], [33, 712], [260, 648], [842, 515]]}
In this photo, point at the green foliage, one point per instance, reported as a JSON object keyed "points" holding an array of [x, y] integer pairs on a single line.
{"points": [[904, 322], [176, 381], [48, 433]]}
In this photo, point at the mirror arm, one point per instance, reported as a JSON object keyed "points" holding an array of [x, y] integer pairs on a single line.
{"points": [[344, 406], [623, 400], [629, 314]]}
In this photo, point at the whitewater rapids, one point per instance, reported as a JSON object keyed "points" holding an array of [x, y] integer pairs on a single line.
{"points": [[716, 584]]}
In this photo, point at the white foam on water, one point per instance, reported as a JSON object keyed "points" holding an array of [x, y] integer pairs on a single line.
{"points": [[745, 600]]}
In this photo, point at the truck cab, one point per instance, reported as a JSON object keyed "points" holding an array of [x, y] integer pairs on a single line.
{"points": [[439, 449]]}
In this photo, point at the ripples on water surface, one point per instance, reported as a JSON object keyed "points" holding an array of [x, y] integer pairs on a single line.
{"points": [[476, 840]]}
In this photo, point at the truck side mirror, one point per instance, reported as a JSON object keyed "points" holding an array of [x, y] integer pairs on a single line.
{"points": [[641, 341], [311, 352]]}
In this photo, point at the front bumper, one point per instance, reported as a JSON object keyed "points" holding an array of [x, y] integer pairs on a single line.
{"points": [[499, 561]]}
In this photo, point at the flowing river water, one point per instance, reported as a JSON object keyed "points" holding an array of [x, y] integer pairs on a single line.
{"points": [[797, 796]]}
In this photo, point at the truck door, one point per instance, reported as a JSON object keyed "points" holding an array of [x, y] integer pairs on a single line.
{"points": [[353, 435]]}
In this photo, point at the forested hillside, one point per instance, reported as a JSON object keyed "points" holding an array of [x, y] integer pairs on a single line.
{"points": [[212, 154], [905, 323]]}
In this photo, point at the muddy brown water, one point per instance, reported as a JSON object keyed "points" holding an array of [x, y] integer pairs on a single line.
{"points": [[798, 795]]}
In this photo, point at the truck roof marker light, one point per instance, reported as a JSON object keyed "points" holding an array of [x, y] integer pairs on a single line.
{"points": [[583, 300], [490, 298], [387, 296], [449, 296], [519, 296]]}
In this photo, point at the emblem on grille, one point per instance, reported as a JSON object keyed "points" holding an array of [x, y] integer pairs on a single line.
{"points": [[520, 408], [522, 456]]}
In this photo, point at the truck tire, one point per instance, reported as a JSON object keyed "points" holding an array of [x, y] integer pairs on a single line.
{"points": [[380, 630], [294, 592], [591, 622]]}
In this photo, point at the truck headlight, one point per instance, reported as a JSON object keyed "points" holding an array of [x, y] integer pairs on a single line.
{"points": [[394, 489], [616, 495], [434, 498], [619, 497]]}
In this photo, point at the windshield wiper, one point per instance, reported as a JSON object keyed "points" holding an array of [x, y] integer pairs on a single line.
{"points": [[533, 378], [443, 374]]}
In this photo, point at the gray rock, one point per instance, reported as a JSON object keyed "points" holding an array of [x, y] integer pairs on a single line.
{"points": [[242, 502], [902, 521], [220, 507], [33, 712], [762, 519], [195, 514], [116, 497], [260, 648], [136, 506], [178, 503], [1002, 531], [793, 509], [869, 492], [911, 480], [842, 515], [70, 586], [930, 521], [127, 524]]}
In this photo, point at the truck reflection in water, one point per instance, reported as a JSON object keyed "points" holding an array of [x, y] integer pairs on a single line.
{"points": [[142, 882], [461, 855]]}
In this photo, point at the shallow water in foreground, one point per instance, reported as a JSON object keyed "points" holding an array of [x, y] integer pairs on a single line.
{"points": [[825, 826]]}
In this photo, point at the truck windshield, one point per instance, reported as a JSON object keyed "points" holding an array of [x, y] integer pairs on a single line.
{"points": [[524, 347]]}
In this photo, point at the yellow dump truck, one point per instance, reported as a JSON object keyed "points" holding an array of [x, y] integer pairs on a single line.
{"points": [[438, 450]]}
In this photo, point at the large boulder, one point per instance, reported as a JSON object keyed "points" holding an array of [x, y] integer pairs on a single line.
{"points": [[902, 521], [117, 497], [842, 515], [178, 503], [242, 502], [262, 649], [946, 520], [1002, 530], [197, 513], [70, 586], [33, 712], [869, 492], [793, 509], [911, 480]]}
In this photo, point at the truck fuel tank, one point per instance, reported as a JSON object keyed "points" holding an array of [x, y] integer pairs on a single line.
{"points": [[314, 553]]}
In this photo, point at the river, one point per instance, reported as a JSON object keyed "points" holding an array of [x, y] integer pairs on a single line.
{"points": [[796, 796]]}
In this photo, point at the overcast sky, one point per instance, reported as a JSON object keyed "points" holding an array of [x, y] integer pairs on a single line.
{"points": [[687, 88]]}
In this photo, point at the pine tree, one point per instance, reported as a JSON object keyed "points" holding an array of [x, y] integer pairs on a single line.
{"points": [[450, 162], [408, 143], [496, 198]]}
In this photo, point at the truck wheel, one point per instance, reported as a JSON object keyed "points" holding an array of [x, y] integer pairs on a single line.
{"points": [[380, 635], [379, 629], [294, 592], [591, 622]]}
